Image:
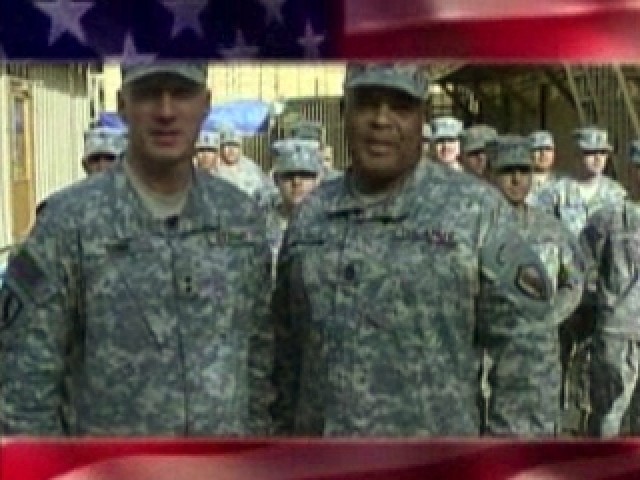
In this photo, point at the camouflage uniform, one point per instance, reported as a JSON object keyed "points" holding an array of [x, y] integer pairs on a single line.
{"points": [[375, 307], [613, 238], [538, 140], [160, 327], [526, 376]]}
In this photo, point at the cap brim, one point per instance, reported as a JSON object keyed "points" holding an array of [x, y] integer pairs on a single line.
{"points": [[191, 74], [365, 81], [590, 148]]}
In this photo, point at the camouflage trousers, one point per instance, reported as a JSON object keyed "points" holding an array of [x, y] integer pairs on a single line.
{"points": [[615, 386], [525, 377]]}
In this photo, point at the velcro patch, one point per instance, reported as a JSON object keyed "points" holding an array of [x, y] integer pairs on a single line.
{"points": [[26, 277], [10, 306]]}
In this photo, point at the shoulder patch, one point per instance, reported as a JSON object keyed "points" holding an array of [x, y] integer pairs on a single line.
{"points": [[26, 277], [10, 307]]}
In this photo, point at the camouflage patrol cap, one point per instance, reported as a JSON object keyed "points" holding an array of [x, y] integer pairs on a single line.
{"points": [[592, 139], [508, 151], [208, 140], [104, 140], [230, 136], [476, 137], [308, 130], [634, 152], [292, 143], [296, 157], [445, 127], [195, 72], [541, 139], [405, 77]]}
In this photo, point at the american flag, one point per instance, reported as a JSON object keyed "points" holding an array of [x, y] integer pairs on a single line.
{"points": [[97, 30]]}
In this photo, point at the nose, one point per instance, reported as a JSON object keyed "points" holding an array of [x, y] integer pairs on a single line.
{"points": [[165, 104], [382, 114]]}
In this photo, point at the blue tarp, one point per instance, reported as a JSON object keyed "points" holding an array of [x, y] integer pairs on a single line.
{"points": [[249, 117]]}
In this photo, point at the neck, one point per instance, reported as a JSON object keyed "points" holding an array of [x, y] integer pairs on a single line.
{"points": [[163, 179]]}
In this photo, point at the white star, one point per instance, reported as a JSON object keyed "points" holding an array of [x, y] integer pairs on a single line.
{"points": [[65, 16], [130, 55], [186, 15], [310, 41], [240, 49], [274, 10]]}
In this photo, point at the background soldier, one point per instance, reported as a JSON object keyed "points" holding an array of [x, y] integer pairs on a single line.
{"points": [[528, 402], [613, 239], [137, 306], [445, 136], [208, 151], [315, 131], [543, 153], [102, 146], [474, 152], [379, 276]]}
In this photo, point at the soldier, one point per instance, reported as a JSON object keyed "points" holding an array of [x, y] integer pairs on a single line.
{"points": [[240, 170], [380, 275], [612, 237], [297, 169], [136, 305], [474, 142], [529, 402], [102, 146], [445, 136], [573, 201], [208, 151], [315, 131], [543, 153]]}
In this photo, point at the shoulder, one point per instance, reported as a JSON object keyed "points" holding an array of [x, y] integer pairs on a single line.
{"points": [[224, 197]]}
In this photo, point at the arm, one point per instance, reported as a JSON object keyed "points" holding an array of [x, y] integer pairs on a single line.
{"points": [[35, 326]]}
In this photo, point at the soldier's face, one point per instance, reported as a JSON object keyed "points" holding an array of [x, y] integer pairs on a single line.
{"points": [[384, 130], [594, 162], [543, 159], [207, 159], [514, 183], [164, 113], [476, 163], [98, 163], [230, 154], [447, 150], [295, 186]]}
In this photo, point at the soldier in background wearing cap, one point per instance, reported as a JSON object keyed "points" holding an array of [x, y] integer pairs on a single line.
{"points": [[474, 143], [240, 170], [529, 403], [208, 151], [102, 146], [573, 201], [297, 169], [380, 274], [315, 131], [612, 237], [543, 151], [144, 287], [445, 136]]}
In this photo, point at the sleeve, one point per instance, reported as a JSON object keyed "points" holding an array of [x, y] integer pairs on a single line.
{"points": [[261, 337], [514, 300], [571, 278], [34, 330]]}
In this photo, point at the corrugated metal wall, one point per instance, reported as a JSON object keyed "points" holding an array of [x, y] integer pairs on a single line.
{"points": [[60, 107]]}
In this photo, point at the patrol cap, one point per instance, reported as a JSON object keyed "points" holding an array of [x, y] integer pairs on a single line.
{"points": [[195, 72], [104, 140], [476, 137], [293, 143], [208, 140], [295, 157], [308, 130], [426, 132], [445, 127], [508, 151], [634, 152], [592, 139], [405, 77], [541, 139], [230, 136]]}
